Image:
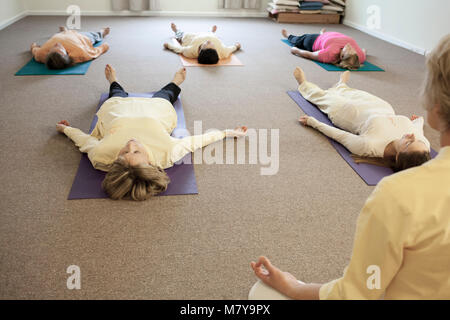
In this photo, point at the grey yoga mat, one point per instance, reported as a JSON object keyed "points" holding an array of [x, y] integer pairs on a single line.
{"points": [[370, 173], [88, 181]]}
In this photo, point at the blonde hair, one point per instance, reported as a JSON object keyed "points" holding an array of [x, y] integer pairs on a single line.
{"points": [[436, 87], [349, 61], [138, 183]]}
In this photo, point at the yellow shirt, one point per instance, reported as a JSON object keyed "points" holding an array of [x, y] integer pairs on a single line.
{"points": [[148, 120], [78, 47], [404, 229]]}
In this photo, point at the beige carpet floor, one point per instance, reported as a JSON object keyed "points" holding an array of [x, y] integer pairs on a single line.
{"points": [[180, 247]]}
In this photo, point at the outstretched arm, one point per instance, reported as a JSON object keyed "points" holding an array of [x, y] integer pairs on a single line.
{"points": [[83, 141], [227, 51], [190, 144], [354, 143], [35, 52], [176, 47], [306, 54]]}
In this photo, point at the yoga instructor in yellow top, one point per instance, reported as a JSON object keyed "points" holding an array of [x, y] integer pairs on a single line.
{"points": [[401, 248], [69, 47], [132, 141]]}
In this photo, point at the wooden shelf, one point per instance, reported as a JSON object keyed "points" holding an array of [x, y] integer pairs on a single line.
{"points": [[288, 17]]}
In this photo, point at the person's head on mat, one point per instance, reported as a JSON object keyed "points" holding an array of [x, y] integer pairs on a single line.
{"points": [[58, 58], [348, 58], [207, 53], [401, 154], [133, 176], [410, 152]]}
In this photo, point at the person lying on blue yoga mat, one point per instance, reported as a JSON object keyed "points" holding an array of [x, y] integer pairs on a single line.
{"points": [[206, 47], [69, 47], [132, 139], [328, 47], [369, 127]]}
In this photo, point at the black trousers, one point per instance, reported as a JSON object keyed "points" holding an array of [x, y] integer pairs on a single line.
{"points": [[170, 92], [304, 42]]}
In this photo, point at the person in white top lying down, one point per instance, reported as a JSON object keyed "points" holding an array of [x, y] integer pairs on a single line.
{"points": [[367, 125], [206, 47], [132, 139]]}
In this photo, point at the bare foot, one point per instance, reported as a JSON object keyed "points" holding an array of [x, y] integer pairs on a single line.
{"points": [[174, 27], [323, 31], [345, 76], [214, 28], [110, 74], [180, 76], [284, 33], [62, 29], [105, 31], [299, 75]]}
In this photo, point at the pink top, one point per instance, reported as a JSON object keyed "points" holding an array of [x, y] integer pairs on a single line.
{"points": [[330, 44]]}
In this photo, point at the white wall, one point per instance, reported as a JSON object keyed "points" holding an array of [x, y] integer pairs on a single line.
{"points": [[414, 24], [168, 7], [11, 11]]}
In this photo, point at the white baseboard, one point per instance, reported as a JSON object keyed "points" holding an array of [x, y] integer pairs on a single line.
{"points": [[227, 13], [385, 37], [10, 21]]}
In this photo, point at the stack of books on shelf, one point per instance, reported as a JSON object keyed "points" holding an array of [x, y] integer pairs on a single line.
{"points": [[306, 11]]}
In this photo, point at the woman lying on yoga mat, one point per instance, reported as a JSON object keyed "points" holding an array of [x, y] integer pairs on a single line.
{"points": [[402, 243], [69, 47], [369, 126], [206, 47], [132, 141], [328, 47]]}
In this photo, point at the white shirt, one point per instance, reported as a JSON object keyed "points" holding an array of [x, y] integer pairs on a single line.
{"points": [[192, 41], [368, 124]]}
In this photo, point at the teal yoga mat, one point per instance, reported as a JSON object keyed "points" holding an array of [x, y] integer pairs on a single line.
{"points": [[34, 68], [367, 66]]}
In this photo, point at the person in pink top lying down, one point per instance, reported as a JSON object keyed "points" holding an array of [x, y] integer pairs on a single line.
{"points": [[328, 47]]}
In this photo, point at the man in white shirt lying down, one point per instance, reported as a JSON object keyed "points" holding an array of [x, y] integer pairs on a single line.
{"points": [[206, 47]]}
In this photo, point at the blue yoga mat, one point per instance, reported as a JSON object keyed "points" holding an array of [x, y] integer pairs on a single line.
{"points": [[34, 68], [367, 66], [371, 174]]}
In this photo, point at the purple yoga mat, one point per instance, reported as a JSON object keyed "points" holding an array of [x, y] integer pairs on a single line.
{"points": [[88, 181], [370, 173]]}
